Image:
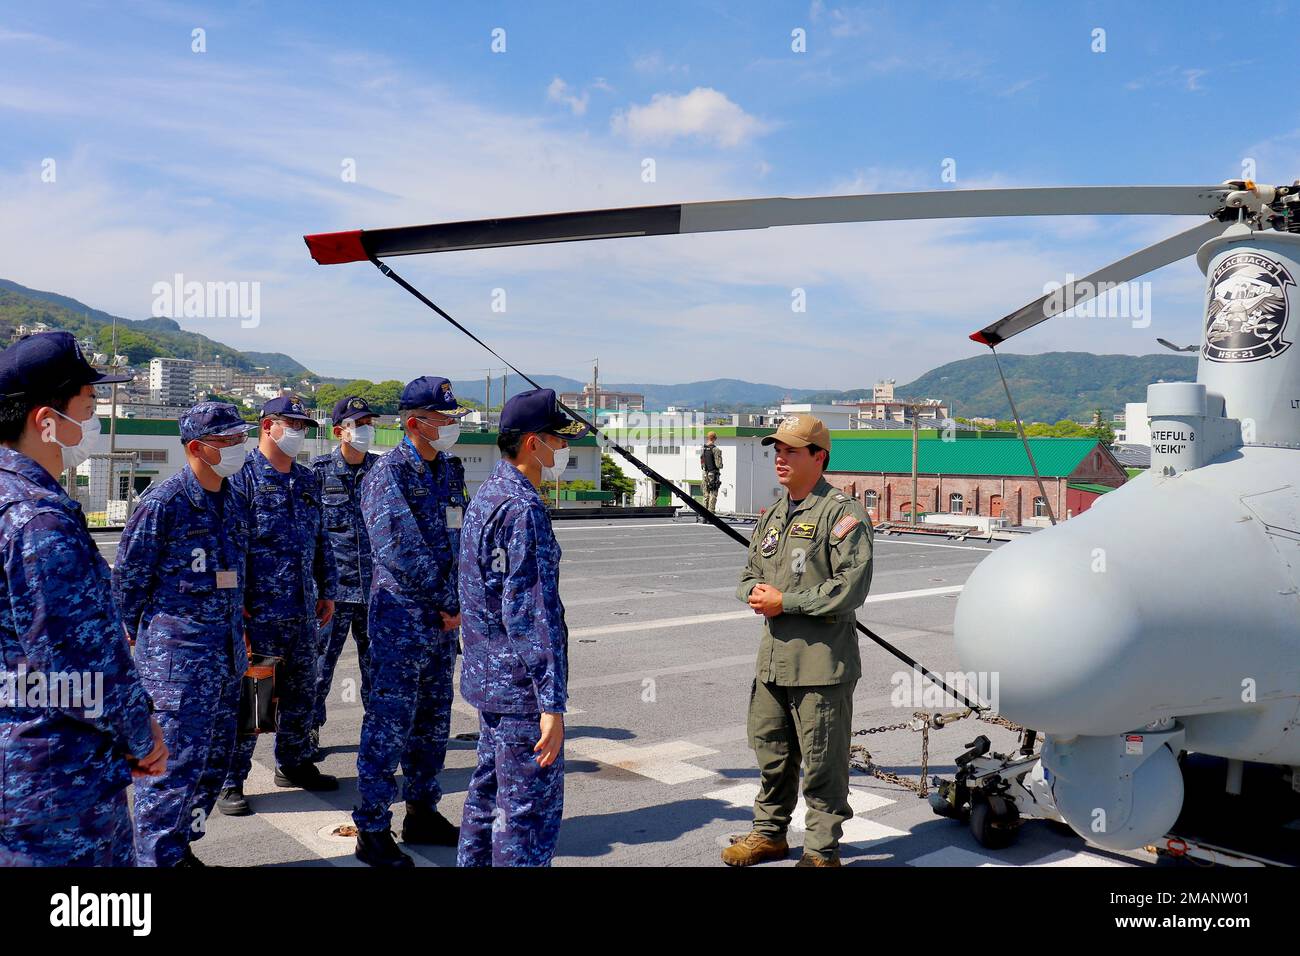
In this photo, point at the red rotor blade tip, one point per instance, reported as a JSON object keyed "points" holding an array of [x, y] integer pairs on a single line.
{"points": [[332, 248]]}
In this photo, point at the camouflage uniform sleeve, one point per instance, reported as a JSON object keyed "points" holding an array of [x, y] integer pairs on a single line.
{"points": [[324, 568], [138, 555], [850, 560], [529, 609], [751, 575], [65, 627]]}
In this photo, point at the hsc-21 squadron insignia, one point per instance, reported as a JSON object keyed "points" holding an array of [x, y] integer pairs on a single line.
{"points": [[768, 547]]}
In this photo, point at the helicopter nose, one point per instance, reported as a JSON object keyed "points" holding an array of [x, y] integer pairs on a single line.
{"points": [[1056, 629]]}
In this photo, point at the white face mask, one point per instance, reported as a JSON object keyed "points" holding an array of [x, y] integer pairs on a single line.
{"points": [[74, 455], [291, 441], [232, 458], [360, 437], [448, 435], [553, 472]]}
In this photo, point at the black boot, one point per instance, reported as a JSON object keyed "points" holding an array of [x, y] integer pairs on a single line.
{"points": [[425, 825], [380, 849], [305, 775], [313, 739], [232, 802], [189, 861]]}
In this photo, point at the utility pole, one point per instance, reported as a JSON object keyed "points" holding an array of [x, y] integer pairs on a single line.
{"points": [[487, 408], [595, 387], [916, 442], [112, 419]]}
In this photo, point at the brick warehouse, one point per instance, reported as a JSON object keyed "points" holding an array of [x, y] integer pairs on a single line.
{"points": [[974, 477]]}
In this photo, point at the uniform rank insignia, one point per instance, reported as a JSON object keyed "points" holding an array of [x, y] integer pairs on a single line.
{"points": [[803, 530], [843, 527], [768, 547]]}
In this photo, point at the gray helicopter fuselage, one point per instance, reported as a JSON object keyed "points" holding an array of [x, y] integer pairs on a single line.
{"points": [[1167, 616]]}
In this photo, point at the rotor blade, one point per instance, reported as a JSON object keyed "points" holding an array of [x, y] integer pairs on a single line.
{"points": [[359, 245], [1081, 290], [1177, 348]]}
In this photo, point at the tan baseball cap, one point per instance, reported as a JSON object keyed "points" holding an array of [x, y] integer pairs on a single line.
{"points": [[801, 431]]}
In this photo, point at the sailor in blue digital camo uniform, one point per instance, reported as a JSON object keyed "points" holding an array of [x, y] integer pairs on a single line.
{"points": [[288, 594], [341, 473], [178, 582], [515, 642], [75, 722], [414, 613]]}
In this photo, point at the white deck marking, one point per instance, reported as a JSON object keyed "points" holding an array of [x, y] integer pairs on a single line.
{"points": [[931, 544], [628, 677], [305, 817], [663, 762], [716, 618], [857, 831], [300, 815], [956, 856]]}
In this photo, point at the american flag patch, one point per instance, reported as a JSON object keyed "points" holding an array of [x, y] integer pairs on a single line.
{"points": [[844, 526]]}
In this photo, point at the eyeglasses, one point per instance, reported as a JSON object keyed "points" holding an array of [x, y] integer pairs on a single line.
{"points": [[225, 441]]}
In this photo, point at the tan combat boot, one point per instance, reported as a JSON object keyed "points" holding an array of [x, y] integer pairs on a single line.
{"points": [[810, 859], [753, 848]]}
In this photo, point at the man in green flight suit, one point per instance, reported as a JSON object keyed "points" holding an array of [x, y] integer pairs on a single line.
{"points": [[809, 570]]}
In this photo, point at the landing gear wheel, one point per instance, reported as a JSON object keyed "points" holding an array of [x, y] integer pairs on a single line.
{"points": [[991, 829]]}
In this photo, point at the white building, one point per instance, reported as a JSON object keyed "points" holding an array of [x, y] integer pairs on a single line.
{"points": [[833, 416], [171, 381], [1136, 429], [213, 377], [748, 476]]}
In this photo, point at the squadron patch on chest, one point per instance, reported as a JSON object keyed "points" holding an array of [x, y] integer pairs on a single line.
{"points": [[769, 544], [803, 529]]}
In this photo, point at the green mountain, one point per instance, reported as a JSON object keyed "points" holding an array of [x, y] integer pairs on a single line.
{"points": [[1048, 387], [138, 339]]}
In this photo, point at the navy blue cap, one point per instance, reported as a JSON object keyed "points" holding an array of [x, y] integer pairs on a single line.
{"points": [[48, 362], [211, 418], [349, 408], [538, 410], [431, 393], [287, 406]]}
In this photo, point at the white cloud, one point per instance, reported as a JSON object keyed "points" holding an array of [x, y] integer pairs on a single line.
{"points": [[560, 92], [654, 64], [703, 114], [225, 193]]}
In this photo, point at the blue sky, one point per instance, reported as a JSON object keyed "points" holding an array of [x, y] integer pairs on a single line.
{"points": [[214, 164]]}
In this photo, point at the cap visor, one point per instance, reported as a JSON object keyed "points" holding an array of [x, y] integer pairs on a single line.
{"points": [[233, 429], [569, 430], [110, 379], [785, 440]]}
